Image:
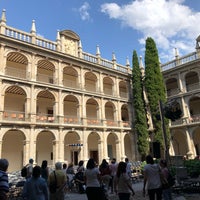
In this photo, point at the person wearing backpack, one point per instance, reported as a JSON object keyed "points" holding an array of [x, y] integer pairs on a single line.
{"points": [[166, 193], [27, 170]]}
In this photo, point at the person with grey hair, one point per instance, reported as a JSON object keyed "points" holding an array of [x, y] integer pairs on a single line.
{"points": [[58, 177], [4, 186]]}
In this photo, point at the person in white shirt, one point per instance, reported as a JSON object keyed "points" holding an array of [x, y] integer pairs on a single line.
{"points": [[92, 179], [152, 179], [128, 167], [113, 169]]}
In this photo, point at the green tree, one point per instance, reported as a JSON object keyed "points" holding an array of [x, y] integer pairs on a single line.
{"points": [[154, 86], [140, 122]]}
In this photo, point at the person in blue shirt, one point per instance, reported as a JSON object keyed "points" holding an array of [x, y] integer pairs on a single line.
{"points": [[36, 186]]}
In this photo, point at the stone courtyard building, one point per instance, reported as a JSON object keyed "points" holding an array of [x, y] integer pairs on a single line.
{"points": [[59, 103]]}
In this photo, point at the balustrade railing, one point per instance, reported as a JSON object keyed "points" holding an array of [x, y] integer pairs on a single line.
{"points": [[94, 121], [72, 120], [52, 45], [15, 72], [45, 78], [191, 87], [13, 116], [45, 118], [172, 92], [179, 61]]}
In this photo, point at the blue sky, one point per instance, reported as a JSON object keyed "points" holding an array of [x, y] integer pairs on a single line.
{"points": [[118, 26]]}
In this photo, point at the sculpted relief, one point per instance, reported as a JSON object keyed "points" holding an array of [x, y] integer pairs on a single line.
{"points": [[70, 47]]}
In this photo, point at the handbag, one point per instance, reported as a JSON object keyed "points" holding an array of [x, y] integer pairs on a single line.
{"points": [[53, 185]]}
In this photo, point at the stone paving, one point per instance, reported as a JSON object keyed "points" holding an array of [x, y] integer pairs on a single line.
{"points": [[138, 195], [15, 177]]}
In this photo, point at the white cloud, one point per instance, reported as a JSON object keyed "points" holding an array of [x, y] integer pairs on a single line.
{"points": [[169, 22], [83, 10]]}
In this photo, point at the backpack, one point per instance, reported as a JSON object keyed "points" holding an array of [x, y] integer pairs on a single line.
{"points": [[170, 180], [24, 171]]}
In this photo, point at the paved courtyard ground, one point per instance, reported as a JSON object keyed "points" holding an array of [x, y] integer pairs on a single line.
{"points": [[138, 195]]}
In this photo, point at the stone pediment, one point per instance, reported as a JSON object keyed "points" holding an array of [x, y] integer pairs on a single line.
{"points": [[69, 41]]}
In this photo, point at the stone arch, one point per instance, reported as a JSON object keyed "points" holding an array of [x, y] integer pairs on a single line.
{"points": [[47, 151], [123, 90], [111, 144], [45, 71], [92, 109], [191, 80], [108, 85], [179, 142], [110, 113], [90, 81], [171, 86], [128, 146], [194, 106], [93, 146], [70, 77], [13, 147], [196, 140], [14, 109], [71, 148]]}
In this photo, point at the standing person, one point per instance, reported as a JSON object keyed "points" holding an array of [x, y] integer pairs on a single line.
{"points": [[79, 176], [35, 187], [113, 169], [4, 186], [59, 177], [128, 167], [65, 168], [70, 175], [92, 180], [152, 179], [29, 168], [105, 173], [166, 192], [122, 182], [44, 170]]}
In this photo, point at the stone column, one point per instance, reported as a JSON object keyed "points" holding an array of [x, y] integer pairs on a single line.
{"points": [[100, 150], [3, 59], [26, 149], [1, 148], [55, 151], [190, 152], [180, 82], [33, 70], [60, 73], [60, 112], [82, 79], [61, 145], [101, 83]]}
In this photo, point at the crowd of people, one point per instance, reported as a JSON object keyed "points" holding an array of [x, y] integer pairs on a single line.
{"points": [[97, 181]]}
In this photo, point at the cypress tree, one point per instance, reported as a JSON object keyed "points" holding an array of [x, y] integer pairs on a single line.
{"points": [[140, 122], [154, 86]]}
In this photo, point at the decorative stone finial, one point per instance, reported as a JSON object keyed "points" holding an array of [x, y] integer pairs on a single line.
{"points": [[33, 29], [127, 62], [113, 57], [176, 53], [58, 35], [98, 51], [3, 16]]}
